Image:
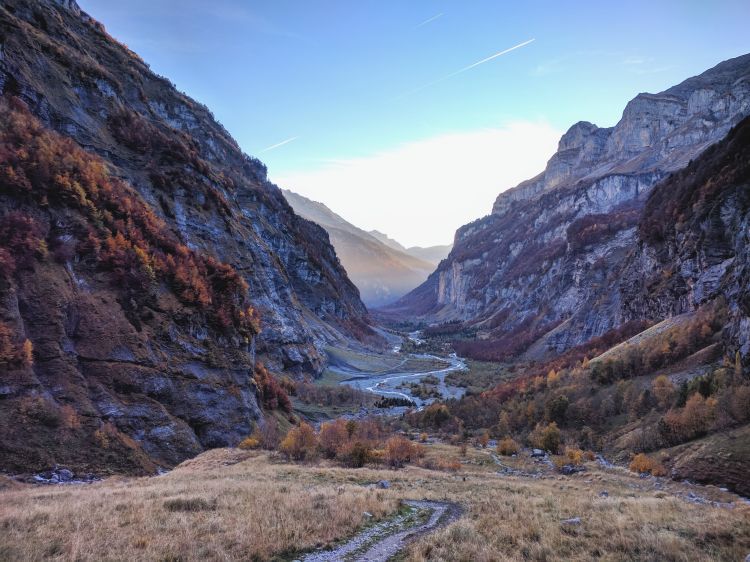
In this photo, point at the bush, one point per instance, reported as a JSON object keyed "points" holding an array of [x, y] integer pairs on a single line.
{"points": [[643, 464], [40, 409], [249, 443], [333, 437], [300, 443], [272, 394], [399, 451], [574, 456], [355, 454], [508, 447], [547, 437]]}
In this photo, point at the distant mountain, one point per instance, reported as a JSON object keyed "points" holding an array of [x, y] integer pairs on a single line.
{"points": [[431, 254], [380, 267], [543, 272]]}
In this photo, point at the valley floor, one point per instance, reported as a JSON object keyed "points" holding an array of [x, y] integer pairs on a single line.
{"points": [[229, 504]]}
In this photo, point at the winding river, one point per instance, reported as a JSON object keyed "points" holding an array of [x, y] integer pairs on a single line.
{"points": [[389, 385]]}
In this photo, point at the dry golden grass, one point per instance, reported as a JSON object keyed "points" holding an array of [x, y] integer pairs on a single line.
{"points": [[240, 505]]}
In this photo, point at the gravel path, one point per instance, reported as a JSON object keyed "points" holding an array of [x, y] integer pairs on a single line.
{"points": [[386, 539]]}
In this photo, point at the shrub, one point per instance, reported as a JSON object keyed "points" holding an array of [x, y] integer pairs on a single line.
{"points": [[663, 390], [249, 443], [574, 456], [643, 464], [355, 454], [69, 417], [300, 443], [508, 447], [399, 451], [272, 394], [546, 437], [40, 409], [333, 437], [483, 439]]}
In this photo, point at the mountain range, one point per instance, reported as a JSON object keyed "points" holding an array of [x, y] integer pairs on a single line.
{"points": [[379, 266], [561, 259]]}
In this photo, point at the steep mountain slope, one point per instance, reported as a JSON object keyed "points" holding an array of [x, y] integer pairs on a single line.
{"points": [[675, 378], [381, 272], [540, 274], [431, 254], [694, 240], [127, 269]]}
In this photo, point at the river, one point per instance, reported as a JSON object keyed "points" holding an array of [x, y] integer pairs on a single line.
{"points": [[389, 385]]}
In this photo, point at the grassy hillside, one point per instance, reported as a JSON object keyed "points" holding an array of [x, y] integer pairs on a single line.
{"points": [[229, 504]]}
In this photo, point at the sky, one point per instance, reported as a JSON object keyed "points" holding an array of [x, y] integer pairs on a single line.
{"points": [[411, 117]]}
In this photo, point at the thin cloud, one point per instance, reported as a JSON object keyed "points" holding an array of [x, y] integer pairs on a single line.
{"points": [[277, 145], [464, 69], [430, 20]]}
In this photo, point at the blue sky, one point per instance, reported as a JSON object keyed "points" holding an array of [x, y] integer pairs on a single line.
{"points": [[339, 77]]}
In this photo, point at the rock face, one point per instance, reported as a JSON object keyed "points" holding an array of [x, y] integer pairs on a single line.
{"points": [[381, 272], [125, 384], [541, 273]]}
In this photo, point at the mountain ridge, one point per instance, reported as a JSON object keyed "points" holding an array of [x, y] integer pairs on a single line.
{"points": [[381, 271], [532, 270]]}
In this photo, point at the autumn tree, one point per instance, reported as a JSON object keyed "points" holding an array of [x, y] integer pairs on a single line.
{"points": [[399, 450], [663, 390], [300, 443], [333, 436], [507, 447]]}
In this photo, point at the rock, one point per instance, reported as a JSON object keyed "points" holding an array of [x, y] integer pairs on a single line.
{"points": [[64, 475], [538, 453], [384, 484], [573, 521], [604, 494], [569, 469], [367, 514]]}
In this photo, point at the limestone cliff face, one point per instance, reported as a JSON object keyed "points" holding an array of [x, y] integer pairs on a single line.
{"points": [[542, 267], [161, 381]]}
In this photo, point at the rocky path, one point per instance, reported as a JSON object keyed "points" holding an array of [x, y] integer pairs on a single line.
{"points": [[384, 540]]}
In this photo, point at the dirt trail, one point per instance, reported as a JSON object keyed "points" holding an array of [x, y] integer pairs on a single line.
{"points": [[384, 540]]}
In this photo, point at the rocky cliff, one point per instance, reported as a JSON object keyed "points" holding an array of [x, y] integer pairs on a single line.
{"points": [[540, 274], [128, 266]]}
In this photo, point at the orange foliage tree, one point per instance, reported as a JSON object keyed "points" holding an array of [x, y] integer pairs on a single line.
{"points": [[300, 443]]}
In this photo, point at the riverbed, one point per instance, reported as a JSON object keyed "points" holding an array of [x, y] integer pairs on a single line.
{"points": [[390, 385]]}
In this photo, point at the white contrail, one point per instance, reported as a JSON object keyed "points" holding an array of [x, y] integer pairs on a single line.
{"points": [[428, 20], [491, 57], [464, 69], [277, 145]]}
